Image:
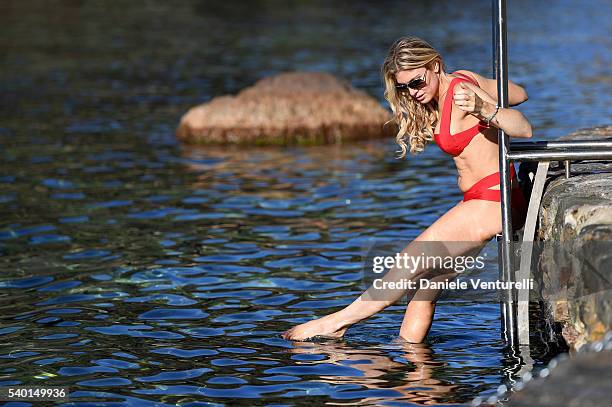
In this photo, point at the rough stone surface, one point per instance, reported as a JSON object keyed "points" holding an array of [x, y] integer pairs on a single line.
{"points": [[289, 108], [582, 381], [576, 264]]}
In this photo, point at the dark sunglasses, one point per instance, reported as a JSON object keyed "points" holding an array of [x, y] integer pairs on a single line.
{"points": [[416, 83]]}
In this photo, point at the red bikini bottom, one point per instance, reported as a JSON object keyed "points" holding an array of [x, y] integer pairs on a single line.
{"points": [[480, 190]]}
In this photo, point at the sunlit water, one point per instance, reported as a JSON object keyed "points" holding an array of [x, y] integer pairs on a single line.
{"points": [[136, 270]]}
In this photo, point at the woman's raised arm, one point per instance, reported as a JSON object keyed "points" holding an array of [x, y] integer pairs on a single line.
{"points": [[477, 102], [516, 93]]}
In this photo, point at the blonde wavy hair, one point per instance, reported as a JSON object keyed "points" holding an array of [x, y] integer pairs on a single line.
{"points": [[416, 121]]}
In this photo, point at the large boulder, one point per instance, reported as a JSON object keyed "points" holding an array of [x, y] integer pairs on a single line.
{"points": [[289, 108]]}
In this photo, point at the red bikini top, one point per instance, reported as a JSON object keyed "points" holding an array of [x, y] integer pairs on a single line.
{"points": [[454, 144]]}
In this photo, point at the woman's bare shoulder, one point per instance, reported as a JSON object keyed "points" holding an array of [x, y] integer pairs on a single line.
{"points": [[481, 80], [486, 84]]}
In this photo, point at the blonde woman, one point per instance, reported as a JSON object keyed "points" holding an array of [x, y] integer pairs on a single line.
{"points": [[458, 111]]}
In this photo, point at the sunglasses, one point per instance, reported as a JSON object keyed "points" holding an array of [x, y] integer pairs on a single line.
{"points": [[416, 83]]}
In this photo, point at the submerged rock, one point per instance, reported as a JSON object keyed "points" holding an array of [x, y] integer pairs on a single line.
{"points": [[289, 108], [582, 381]]}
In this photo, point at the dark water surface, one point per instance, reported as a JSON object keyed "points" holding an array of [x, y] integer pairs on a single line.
{"points": [[136, 270]]}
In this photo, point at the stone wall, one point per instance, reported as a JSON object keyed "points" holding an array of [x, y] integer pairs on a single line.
{"points": [[575, 224]]}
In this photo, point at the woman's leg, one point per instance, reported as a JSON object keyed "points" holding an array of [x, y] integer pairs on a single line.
{"points": [[420, 310], [473, 223], [417, 320]]}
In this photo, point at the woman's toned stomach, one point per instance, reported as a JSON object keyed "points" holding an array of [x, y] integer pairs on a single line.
{"points": [[478, 160]]}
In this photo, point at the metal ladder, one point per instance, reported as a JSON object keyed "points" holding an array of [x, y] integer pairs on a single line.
{"points": [[515, 311]]}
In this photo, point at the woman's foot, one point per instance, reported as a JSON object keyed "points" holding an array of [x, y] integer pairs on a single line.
{"points": [[326, 327]]}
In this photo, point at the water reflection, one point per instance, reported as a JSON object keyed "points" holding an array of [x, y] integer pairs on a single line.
{"points": [[410, 375]]}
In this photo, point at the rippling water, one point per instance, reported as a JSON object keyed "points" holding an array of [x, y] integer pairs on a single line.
{"points": [[136, 270]]}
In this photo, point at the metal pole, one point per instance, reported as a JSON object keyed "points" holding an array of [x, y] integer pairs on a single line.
{"points": [[560, 155], [588, 145], [494, 37], [507, 270]]}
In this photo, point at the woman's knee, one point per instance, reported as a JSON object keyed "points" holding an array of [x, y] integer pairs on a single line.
{"points": [[486, 233], [486, 230]]}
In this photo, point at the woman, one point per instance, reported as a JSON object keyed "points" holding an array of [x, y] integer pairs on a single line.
{"points": [[459, 112]]}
